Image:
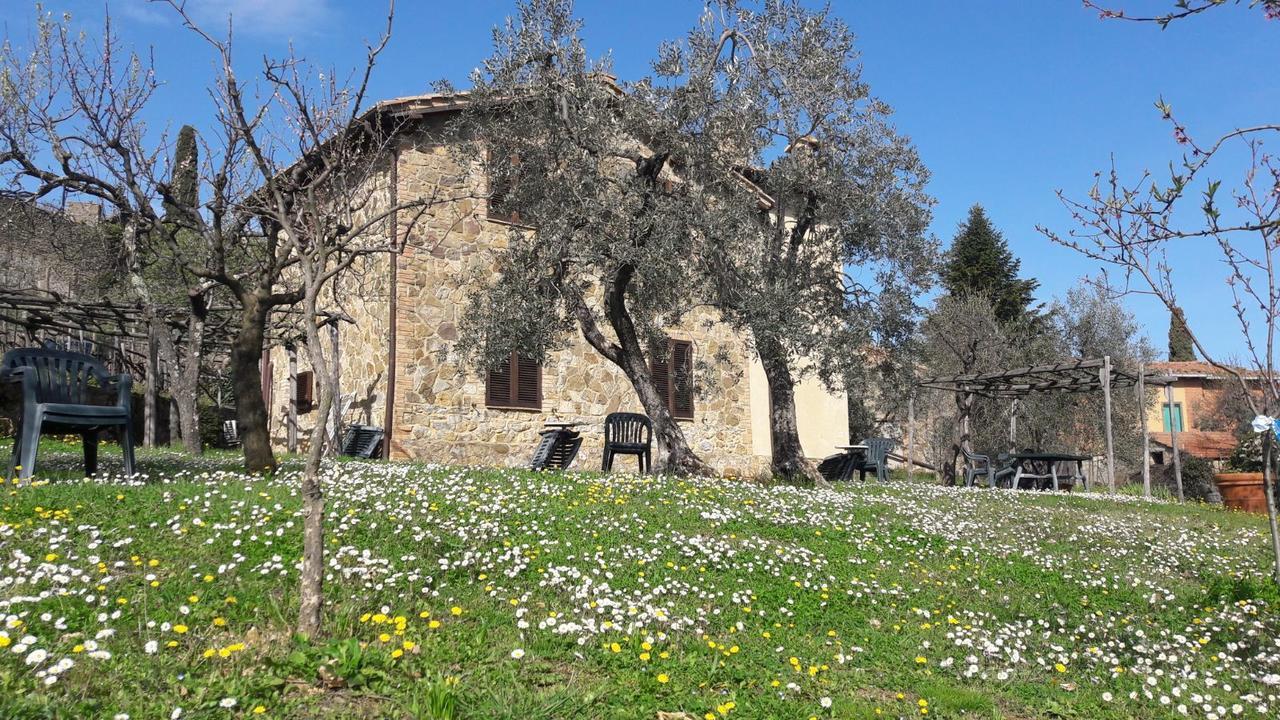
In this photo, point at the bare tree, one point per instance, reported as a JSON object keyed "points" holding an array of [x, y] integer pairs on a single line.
{"points": [[961, 336], [294, 196], [324, 203], [73, 121], [1132, 226]]}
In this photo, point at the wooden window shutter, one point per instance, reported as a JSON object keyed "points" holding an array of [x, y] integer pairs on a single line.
{"points": [[499, 190], [673, 375], [306, 389], [682, 379], [660, 368], [516, 383], [528, 384]]}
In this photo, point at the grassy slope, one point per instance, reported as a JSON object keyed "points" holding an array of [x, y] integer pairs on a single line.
{"points": [[629, 597]]}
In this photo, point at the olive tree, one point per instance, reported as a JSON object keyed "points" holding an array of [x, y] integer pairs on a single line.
{"points": [[820, 253], [607, 218], [750, 172]]}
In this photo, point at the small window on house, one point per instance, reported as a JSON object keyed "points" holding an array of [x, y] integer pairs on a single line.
{"points": [[500, 185], [306, 391], [517, 383], [1171, 419], [673, 374]]}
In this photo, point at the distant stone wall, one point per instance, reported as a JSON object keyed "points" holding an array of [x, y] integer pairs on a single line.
{"points": [[67, 252]]}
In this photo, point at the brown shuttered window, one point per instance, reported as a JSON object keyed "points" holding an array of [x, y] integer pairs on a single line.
{"points": [[517, 383], [306, 387], [499, 206], [673, 374]]}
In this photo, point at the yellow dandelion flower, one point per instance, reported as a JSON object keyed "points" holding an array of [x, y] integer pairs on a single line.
{"points": [[664, 678], [180, 629]]}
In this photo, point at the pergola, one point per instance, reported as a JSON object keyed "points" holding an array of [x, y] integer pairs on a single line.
{"points": [[1073, 376], [118, 332]]}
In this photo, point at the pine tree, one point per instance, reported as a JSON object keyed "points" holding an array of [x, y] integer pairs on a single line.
{"points": [[980, 261], [1181, 347]]}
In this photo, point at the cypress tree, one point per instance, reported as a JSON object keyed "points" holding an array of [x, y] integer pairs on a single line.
{"points": [[1181, 348], [980, 261], [184, 183]]}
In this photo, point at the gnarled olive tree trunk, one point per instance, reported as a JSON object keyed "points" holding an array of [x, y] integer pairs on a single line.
{"points": [[789, 460], [628, 354]]}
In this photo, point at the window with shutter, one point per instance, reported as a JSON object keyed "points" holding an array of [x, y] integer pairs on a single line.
{"points": [[682, 379], [516, 383], [500, 184], [660, 368], [673, 376], [305, 391]]}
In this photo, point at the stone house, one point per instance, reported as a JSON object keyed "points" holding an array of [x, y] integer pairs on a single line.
{"points": [[398, 369]]}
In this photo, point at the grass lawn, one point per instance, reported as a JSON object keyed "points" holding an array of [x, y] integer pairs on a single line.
{"points": [[506, 594]]}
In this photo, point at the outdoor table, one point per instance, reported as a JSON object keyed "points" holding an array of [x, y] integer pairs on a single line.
{"points": [[840, 467], [557, 445], [1024, 464]]}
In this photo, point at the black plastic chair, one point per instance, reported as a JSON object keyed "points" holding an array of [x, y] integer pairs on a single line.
{"points": [[56, 392], [875, 458], [978, 465], [230, 434], [362, 441], [628, 434]]}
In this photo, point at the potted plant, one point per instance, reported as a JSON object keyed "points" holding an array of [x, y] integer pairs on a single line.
{"points": [[1241, 486]]}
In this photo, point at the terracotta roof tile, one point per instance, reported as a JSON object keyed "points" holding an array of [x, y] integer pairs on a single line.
{"points": [[1195, 368], [1208, 444]]}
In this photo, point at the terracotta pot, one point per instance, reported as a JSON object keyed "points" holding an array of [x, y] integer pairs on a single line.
{"points": [[1242, 491]]}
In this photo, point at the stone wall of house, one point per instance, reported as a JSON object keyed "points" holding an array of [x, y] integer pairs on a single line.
{"points": [[362, 293], [439, 407], [363, 352], [439, 410]]}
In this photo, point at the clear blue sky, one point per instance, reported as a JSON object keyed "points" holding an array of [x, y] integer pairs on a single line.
{"points": [[1007, 100]]}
